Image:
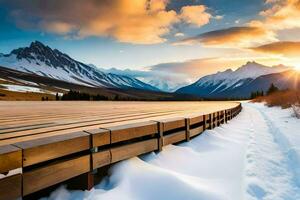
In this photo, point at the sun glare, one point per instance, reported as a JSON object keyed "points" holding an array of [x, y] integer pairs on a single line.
{"points": [[297, 68]]}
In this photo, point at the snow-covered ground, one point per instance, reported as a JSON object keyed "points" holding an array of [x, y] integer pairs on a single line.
{"points": [[255, 156], [22, 88]]}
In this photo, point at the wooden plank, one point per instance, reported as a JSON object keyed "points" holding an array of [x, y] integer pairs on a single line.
{"points": [[101, 159], [196, 119], [174, 138], [10, 158], [130, 131], [131, 150], [170, 124], [80, 124], [52, 174], [196, 131], [11, 187], [61, 132], [44, 149], [100, 137]]}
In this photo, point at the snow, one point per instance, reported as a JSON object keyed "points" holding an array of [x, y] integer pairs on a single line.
{"points": [[39, 68], [229, 78], [254, 156], [75, 73], [11, 173], [25, 82], [21, 88]]}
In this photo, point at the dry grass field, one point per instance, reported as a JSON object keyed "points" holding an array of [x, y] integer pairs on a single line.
{"points": [[6, 95], [285, 99]]}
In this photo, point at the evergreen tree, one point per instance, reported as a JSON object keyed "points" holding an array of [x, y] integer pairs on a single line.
{"points": [[272, 89], [56, 97]]}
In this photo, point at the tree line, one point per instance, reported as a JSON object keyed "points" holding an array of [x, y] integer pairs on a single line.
{"points": [[80, 96], [261, 93]]}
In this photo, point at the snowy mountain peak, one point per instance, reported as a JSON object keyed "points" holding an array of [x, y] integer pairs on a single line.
{"points": [[42, 60], [249, 70], [229, 79]]}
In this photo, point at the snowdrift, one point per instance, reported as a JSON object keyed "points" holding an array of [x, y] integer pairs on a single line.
{"points": [[255, 156]]}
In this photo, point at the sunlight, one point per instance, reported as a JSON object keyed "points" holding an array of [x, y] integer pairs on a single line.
{"points": [[296, 65], [297, 68]]}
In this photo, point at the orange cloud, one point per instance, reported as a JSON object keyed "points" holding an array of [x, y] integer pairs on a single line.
{"points": [[196, 15], [133, 21], [283, 14], [232, 37], [282, 48], [58, 27]]}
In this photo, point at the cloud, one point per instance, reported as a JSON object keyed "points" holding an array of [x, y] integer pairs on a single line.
{"points": [[58, 27], [166, 81], [219, 17], [282, 14], [178, 74], [132, 21], [232, 37], [286, 48], [196, 68], [196, 15], [179, 34]]}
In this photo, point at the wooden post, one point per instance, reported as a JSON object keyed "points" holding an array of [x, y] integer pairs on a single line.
{"points": [[223, 117], [90, 180], [160, 136], [211, 121], [187, 129], [204, 122], [89, 175], [84, 181]]}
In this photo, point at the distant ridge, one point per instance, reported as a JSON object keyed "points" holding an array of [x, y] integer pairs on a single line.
{"points": [[41, 60], [240, 83]]}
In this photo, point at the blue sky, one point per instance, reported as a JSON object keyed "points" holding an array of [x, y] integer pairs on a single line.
{"points": [[140, 34]]}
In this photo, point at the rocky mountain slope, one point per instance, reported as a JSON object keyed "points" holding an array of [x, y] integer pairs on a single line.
{"points": [[241, 82], [41, 60]]}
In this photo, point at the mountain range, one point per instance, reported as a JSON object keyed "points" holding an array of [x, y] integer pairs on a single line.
{"points": [[240, 83], [41, 60], [43, 66]]}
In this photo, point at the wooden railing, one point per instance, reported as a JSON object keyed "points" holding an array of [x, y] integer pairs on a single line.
{"points": [[30, 166]]}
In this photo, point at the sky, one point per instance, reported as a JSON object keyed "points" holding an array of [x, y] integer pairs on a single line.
{"points": [[186, 39]]}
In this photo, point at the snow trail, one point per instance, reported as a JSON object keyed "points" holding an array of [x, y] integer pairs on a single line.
{"points": [[253, 157], [269, 174]]}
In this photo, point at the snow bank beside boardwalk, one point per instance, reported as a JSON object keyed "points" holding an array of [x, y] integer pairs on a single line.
{"points": [[254, 156], [286, 131]]}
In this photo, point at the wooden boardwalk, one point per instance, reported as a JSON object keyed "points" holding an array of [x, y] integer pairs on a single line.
{"points": [[45, 143]]}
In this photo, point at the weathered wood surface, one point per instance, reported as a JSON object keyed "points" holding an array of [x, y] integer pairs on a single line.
{"points": [[100, 137], [20, 122], [49, 175], [131, 131], [131, 150], [174, 138], [172, 123], [101, 158], [44, 149], [196, 131], [52, 147], [10, 158], [11, 187]]}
